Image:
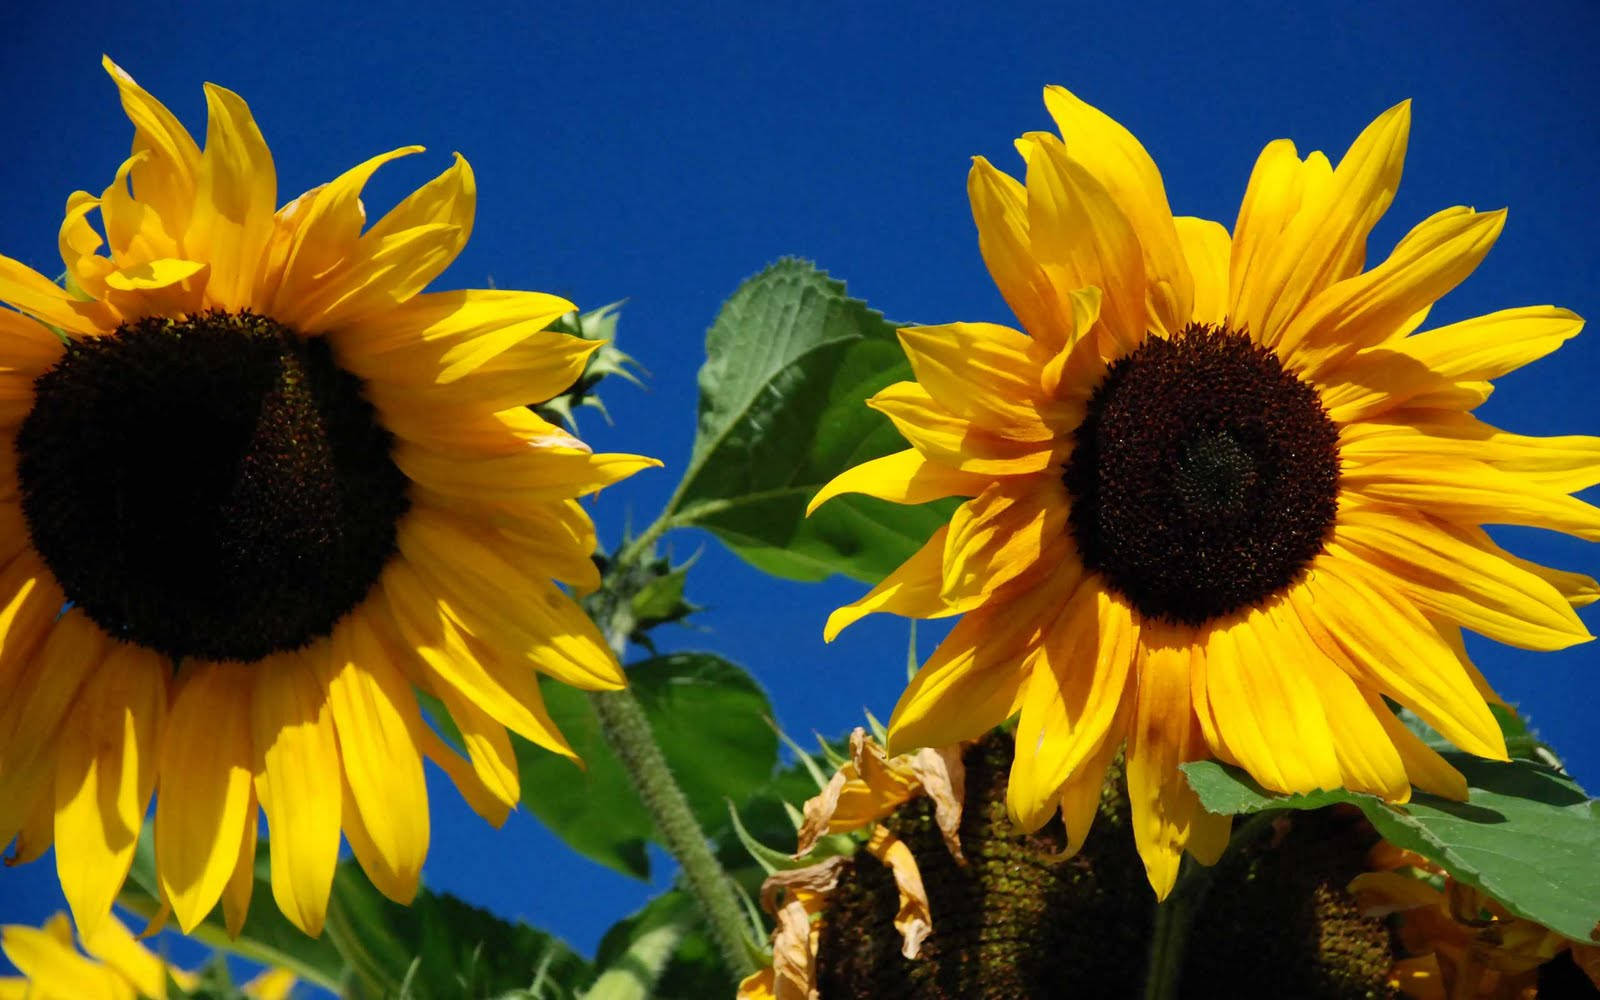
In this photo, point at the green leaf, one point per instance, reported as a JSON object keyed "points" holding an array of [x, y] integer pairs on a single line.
{"points": [[1527, 835], [708, 717], [789, 365], [440, 947]]}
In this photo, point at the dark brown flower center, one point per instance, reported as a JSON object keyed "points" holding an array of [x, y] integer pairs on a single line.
{"points": [[1204, 477], [215, 486]]}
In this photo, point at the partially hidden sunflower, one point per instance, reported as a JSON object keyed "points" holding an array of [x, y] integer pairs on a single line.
{"points": [[277, 489], [1224, 499]]}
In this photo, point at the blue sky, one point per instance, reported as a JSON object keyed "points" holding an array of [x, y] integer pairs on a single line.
{"points": [[625, 152]]}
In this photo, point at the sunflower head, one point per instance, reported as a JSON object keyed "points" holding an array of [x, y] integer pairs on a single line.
{"points": [[1220, 497], [278, 488]]}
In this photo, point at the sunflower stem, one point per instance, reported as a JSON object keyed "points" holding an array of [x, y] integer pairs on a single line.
{"points": [[627, 732]]}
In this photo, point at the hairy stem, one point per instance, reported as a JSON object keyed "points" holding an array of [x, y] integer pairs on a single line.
{"points": [[627, 732]]}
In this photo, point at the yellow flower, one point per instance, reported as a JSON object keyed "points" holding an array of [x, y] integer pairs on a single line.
{"points": [[279, 487], [867, 788], [1224, 499], [117, 967], [1460, 942]]}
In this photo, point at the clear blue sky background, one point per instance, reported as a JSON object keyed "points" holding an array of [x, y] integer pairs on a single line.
{"points": [[622, 152]]}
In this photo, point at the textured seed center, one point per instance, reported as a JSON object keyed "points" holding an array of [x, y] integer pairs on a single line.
{"points": [[1204, 477], [214, 487]]}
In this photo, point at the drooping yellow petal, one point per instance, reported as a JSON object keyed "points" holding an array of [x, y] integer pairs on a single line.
{"points": [[375, 715], [206, 772], [44, 691], [235, 198], [31, 292], [1081, 237], [1325, 239], [1119, 162], [1076, 689], [974, 678], [297, 774], [1080, 794], [1206, 248], [105, 774], [1163, 734], [905, 477], [1425, 768], [912, 919]]}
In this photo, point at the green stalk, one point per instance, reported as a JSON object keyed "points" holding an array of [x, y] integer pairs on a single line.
{"points": [[627, 732], [1169, 939]]}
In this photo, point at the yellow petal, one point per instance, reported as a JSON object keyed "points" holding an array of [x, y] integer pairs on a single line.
{"points": [[1162, 735], [1266, 711], [165, 178], [1425, 768], [981, 372], [1206, 249], [1271, 198], [1325, 240], [105, 775], [958, 443], [375, 715], [1081, 237], [1080, 795], [1074, 696], [1471, 492], [483, 800], [1394, 649], [1379, 381], [112, 944], [235, 198], [271, 984], [554, 473], [45, 690], [905, 477], [974, 678], [297, 780], [911, 590], [31, 292], [326, 229], [1119, 162], [242, 881], [1440, 568], [508, 692], [1013, 531], [56, 971], [1367, 309], [1487, 347], [532, 365], [490, 593], [1566, 464], [206, 773], [468, 324], [1000, 211], [1366, 756]]}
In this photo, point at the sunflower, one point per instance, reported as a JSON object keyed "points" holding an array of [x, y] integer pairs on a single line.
{"points": [[1223, 498], [276, 487]]}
